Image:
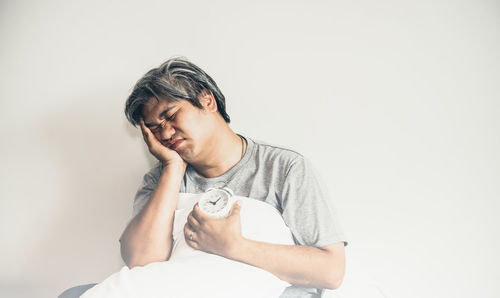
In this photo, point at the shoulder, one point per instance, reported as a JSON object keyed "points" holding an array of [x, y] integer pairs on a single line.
{"points": [[272, 151], [272, 157]]}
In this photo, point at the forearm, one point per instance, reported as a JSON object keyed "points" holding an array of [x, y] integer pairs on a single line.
{"points": [[299, 265], [148, 237]]}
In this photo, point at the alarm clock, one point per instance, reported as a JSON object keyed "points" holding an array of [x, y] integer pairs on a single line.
{"points": [[216, 202]]}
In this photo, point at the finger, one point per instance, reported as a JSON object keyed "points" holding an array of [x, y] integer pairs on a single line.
{"points": [[149, 136], [141, 122], [145, 130], [235, 209], [193, 222], [193, 245], [198, 214], [189, 234], [187, 229]]}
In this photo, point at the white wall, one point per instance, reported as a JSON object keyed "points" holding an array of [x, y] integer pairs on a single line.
{"points": [[396, 102]]}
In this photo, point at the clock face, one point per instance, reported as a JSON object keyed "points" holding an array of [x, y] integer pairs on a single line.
{"points": [[215, 202]]}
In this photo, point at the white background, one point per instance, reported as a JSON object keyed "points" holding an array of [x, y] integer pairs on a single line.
{"points": [[396, 102]]}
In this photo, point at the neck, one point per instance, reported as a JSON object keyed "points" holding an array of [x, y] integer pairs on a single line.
{"points": [[224, 152]]}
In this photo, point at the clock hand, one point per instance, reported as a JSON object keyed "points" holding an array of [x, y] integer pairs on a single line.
{"points": [[213, 203]]}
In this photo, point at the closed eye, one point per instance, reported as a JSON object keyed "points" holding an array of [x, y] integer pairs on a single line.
{"points": [[172, 117], [156, 128]]}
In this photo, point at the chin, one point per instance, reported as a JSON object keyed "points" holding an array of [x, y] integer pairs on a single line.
{"points": [[184, 154]]}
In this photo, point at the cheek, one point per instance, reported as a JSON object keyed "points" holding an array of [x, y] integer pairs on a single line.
{"points": [[195, 126]]}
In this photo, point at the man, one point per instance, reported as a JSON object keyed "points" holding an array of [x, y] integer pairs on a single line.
{"points": [[181, 112]]}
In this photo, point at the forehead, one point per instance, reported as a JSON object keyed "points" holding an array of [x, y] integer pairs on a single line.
{"points": [[153, 107]]}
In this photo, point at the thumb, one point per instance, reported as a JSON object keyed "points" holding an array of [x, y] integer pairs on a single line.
{"points": [[235, 209]]}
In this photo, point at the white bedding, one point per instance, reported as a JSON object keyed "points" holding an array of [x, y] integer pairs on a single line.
{"points": [[192, 273]]}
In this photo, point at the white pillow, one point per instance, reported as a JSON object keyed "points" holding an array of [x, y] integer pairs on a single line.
{"points": [[192, 273]]}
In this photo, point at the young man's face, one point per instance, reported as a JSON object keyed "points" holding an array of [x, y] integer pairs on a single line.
{"points": [[179, 126]]}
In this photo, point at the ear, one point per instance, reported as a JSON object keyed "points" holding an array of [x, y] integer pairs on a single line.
{"points": [[207, 101]]}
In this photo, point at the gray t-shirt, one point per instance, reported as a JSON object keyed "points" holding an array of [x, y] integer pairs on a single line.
{"points": [[280, 177]]}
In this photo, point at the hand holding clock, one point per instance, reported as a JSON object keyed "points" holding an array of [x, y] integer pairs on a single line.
{"points": [[220, 236]]}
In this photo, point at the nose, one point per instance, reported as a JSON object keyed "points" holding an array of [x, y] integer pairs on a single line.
{"points": [[165, 132]]}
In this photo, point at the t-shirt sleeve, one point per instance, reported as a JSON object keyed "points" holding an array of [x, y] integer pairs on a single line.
{"points": [[146, 189], [308, 208]]}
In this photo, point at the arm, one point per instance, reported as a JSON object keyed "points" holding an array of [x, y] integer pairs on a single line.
{"points": [[305, 266], [148, 237]]}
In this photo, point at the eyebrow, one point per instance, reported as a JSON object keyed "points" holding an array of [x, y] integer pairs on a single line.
{"points": [[162, 115]]}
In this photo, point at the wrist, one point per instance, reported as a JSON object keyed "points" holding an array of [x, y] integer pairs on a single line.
{"points": [[237, 248], [174, 166], [173, 171]]}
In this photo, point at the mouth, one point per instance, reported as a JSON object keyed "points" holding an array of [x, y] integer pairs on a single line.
{"points": [[174, 143]]}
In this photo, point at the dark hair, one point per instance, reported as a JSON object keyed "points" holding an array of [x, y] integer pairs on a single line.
{"points": [[176, 79]]}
